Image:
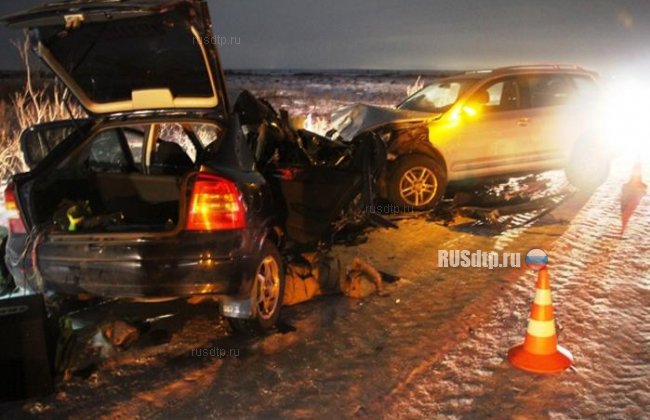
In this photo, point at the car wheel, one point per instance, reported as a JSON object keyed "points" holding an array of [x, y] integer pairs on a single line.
{"points": [[587, 172], [416, 182], [267, 293]]}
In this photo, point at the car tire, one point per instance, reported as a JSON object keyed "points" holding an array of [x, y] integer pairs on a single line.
{"points": [[587, 172], [266, 297], [416, 182]]}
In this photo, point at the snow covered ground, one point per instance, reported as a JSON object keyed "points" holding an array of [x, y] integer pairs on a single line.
{"points": [[601, 291], [435, 348]]}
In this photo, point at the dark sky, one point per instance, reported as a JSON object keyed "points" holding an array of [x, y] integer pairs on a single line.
{"points": [[419, 34]]}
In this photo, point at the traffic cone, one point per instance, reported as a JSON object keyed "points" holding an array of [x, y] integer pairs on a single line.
{"points": [[636, 179], [540, 352], [631, 195]]}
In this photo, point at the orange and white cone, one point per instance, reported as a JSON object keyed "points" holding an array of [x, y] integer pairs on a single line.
{"points": [[540, 352], [636, 179], [631, 195]]}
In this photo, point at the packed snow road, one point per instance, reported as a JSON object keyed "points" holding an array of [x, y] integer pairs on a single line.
{"points": [[436, 347]]}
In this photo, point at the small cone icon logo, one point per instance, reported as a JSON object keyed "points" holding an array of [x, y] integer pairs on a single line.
{"points": [[540, 352]]}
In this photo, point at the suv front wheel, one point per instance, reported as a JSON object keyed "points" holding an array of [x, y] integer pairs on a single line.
{"points": [[416, 182]]}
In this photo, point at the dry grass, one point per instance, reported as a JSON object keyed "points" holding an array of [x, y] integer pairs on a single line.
{"points": [[417, 86], [25, 108], [22, 111], [318, 125]]}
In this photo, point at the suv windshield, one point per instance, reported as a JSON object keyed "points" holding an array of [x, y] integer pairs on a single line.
{"points": [[437, 97]]}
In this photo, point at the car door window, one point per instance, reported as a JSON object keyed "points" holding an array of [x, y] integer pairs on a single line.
{"points": [[586, 89], [39, 140], [501, 95], [106, 153], [549, 90], [173, 152], [175, 133], [206, 133]]}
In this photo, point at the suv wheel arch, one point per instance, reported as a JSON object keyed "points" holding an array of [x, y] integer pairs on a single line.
{"points": [[410, 142], [416, 141]]}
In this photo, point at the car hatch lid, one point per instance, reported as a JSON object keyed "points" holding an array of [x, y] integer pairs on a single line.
{"points": [[128, 55]]}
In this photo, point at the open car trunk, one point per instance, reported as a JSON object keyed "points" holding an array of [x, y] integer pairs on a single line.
{"points": [[107, 202], [114, 178]]}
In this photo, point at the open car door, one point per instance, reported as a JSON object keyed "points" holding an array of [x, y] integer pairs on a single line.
{"points": [[37, 141]]}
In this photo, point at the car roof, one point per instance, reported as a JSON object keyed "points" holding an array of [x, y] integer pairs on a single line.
{"points": [[476, 75], [531, 68]]}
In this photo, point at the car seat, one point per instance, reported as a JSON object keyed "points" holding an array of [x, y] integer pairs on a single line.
{"points": [[170, 159]]}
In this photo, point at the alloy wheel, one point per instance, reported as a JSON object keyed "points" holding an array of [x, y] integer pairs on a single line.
{"points": [[267, 287], [418, 186]]}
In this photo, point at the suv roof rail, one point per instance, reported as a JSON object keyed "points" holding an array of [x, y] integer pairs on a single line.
{"points": [[481, 71], [532, 67], [543, 67]]}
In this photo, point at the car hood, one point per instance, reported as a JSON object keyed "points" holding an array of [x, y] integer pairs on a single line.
{"points": [[351, 120], [129, 55]]}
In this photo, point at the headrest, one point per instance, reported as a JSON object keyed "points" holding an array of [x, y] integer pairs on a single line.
{"points": [[170, 156]]}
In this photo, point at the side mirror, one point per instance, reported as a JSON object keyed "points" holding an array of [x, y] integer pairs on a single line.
{"points": [[37, 141], [472, 109], [475, 104]]}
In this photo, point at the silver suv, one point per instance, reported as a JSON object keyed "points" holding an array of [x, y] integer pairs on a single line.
{"points": [[485, 124]]}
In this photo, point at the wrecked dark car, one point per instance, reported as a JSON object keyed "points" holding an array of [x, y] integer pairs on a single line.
{"points": [[485, 125], [168, 189]]}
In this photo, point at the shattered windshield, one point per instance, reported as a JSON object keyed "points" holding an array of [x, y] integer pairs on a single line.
{"points": [[437, 97]]}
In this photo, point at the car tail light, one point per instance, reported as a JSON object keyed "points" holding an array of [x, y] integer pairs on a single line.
{"points": [[16, 224], [215, 205]]}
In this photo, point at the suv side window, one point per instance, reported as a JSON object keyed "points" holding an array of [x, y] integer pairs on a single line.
{"points": [[549, 90], [501, 95], [586, 88]]}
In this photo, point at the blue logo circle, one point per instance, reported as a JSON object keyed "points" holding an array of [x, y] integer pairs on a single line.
{"points": [[536, 259]]}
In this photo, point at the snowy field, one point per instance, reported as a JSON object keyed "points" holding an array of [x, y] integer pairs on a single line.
{"points": [[317, 94]]}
